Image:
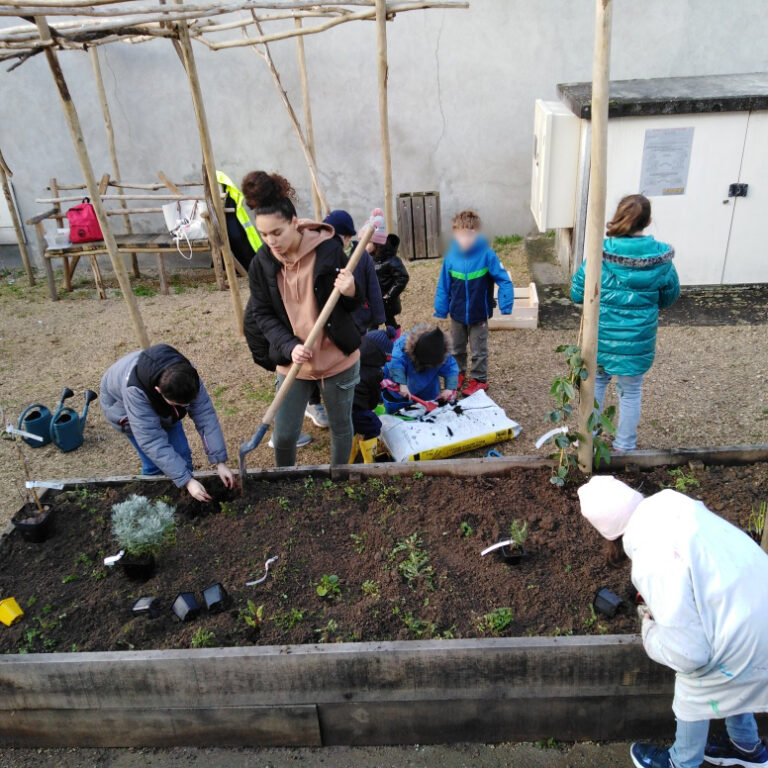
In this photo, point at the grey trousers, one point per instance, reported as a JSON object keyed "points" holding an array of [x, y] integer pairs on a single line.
{"points": [[477, 336], [338, 393]]}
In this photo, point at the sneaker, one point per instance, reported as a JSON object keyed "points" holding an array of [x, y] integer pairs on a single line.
{"points": [[472, 386], [462, 381], [316, 412], [304, 439], [724, 752], [650, 756]]}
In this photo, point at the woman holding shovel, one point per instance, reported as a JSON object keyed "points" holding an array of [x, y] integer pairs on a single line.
{"points": [[705, 615], [291, 277]]}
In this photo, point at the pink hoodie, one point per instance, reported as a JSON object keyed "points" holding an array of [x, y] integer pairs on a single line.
{"points": [[296, 284]]}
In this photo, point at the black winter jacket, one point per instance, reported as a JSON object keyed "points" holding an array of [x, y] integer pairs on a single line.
{"points": [[267, 328], [368, 390], [391, 273]]}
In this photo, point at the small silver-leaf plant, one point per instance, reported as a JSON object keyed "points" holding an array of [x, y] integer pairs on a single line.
{"points": [[141, 526]]}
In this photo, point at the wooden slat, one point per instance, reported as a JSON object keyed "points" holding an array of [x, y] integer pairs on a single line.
{"points": [[432, 222], [41, 246], [168, 183], [97, 277], [419, 227], [163, 274], [295, 725], [405, 226], [42, 216]]}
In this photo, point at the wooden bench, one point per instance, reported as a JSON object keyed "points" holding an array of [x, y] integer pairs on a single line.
{"points": [[130, 243]]}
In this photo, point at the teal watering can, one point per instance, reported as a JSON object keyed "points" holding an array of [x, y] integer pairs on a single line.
{"points": [[67, 427], [36, 420]]}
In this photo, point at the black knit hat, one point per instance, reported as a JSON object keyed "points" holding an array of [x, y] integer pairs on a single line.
{"points": [[430, 348]]}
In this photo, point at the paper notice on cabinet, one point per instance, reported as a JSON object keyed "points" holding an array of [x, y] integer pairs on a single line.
{"points": [[666, 158]]}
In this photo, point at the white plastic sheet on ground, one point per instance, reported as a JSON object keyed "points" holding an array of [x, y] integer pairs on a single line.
{"points": [[448, 430]]}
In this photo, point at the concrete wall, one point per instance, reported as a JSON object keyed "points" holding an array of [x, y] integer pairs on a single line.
{"points": [[462, 87]]}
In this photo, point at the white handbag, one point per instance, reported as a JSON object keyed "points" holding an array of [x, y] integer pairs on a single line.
{"points": [[184, 219]]}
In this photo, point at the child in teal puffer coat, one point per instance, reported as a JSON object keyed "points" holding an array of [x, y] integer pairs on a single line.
{"points": [[638, 279]]}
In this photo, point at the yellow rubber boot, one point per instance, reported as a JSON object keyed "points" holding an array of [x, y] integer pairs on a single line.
{"points": [[355, 449], [369, 449]]}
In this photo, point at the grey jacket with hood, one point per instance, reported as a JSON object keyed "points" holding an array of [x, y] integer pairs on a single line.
{"points": [[131, 404]]}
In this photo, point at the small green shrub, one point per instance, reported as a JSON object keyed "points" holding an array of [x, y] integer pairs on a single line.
{"points": [[681, 481], [203, 639], [518, 532], [141, 526], [414, 564], [252, 615], [496, 621]]}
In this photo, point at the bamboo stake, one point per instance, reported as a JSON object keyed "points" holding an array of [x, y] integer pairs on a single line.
{"points": [[386, 156], [313, 172], [73, 122], [764, 540], [111, 144], [5, 174], [319, 211], [595, 224], [188, 58]]}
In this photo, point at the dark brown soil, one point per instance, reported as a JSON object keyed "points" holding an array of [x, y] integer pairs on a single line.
{"points": [[72, 602]]}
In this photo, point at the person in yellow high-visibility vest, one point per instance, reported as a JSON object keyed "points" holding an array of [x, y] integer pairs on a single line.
{"points": [[243, 237]]}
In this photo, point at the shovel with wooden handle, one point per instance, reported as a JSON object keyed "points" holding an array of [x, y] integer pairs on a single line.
{"points": [[314, 334]]}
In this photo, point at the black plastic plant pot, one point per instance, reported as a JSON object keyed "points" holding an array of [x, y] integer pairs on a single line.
{"points": [[607, 602], [138, 567], [514, 555], [215, 598], [185, 606], [32, 525], [146, 606]]}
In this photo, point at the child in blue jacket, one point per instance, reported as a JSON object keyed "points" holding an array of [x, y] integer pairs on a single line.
{"points": [[465, 291], [638, 279], [420, 359]]}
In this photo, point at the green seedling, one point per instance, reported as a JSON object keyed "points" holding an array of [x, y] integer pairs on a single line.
{"points": [[466, 529], [414, 564], [370, 588], [287, 620], [681, 481], [252, 615], [203, 639], [328, 586], [324, 633], [496, 621], [360, 540], [518, 532], [593, 622], [756, 519]]}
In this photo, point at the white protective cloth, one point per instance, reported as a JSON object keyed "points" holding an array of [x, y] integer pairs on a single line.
{"points": [[608, 504], [706, 583]]}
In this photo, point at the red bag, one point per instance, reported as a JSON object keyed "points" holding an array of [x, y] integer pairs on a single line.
{"points": [[83, 224]]}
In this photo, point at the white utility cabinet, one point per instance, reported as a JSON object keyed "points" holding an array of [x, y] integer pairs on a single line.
{"points": [[697, 147]]}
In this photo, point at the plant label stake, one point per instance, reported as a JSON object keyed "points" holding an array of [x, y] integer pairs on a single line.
{"points": [[266, 573], [314, 334], [497, 545], [114, 559]]}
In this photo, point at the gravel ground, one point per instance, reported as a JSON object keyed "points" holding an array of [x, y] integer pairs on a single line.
{"points": [[438, 756], [707, 387]]}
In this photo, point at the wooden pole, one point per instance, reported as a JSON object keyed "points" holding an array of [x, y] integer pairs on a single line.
{"points": [[73, 122], [310, 134], [190, 66], [386, 156], [267, 56], [111, 143], [595, 224], [5, 174]]}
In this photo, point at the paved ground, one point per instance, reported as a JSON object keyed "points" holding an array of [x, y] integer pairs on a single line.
{"points": [[455, 756]]}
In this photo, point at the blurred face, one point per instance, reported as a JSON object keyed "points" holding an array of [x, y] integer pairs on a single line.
{"points": [[465, 238], [346, 239], [171, 402], [281, 235]]}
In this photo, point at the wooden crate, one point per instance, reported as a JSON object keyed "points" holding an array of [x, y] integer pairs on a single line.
{"points": [[525, 312], [418, 224]]}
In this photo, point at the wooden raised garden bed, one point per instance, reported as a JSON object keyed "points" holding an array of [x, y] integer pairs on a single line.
{"points": [[554, 669]]}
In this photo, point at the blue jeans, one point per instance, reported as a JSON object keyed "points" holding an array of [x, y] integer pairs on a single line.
{"points": [[179, 443], [630, 392], [338, 393], [691, 739]]}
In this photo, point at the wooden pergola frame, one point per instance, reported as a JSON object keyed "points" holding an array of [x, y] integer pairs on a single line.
{"points": [[91, 23]]}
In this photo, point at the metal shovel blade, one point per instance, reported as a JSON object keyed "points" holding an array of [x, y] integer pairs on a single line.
{"points": [[247, 447]]}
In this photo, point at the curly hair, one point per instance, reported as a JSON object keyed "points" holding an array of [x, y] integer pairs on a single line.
{"points": [[467, 220], [269, 193]]}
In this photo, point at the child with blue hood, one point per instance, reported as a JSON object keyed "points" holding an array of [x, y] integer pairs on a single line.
{"points": [[420, 358], [465, 291], [638, 279]]}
